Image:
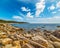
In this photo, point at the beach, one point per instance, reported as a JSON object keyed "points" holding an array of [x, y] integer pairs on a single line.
{"points": [[14, 37]]}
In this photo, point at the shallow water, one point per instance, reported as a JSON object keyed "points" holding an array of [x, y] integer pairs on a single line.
{"points": [[42, 26]]}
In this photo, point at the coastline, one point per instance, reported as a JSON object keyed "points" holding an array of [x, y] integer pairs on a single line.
{"points": [[13, 37]]}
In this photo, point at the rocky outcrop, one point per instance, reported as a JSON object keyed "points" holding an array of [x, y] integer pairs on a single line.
{"points": [[12, 37]]}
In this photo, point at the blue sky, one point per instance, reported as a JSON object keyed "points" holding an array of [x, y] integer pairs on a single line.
{"points": [[33, 11]]}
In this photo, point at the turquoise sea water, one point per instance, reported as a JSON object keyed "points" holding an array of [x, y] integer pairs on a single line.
{"points": [[33, 26]]}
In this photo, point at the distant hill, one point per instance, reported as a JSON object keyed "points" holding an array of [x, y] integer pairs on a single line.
{"points": [[5, 21]]}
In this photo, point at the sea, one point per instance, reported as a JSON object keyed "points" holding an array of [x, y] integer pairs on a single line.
{"points": [[41, 26]]}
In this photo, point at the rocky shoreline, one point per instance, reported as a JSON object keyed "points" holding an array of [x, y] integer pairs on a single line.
{"points": [[12, 37]]}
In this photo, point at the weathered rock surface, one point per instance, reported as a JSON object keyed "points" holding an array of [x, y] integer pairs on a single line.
{"points": [[12, 37]]}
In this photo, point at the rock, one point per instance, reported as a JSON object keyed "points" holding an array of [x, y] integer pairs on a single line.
{"points": [[19, 29], [8, 46], [40, 40], [57, 44], [28, 35], [28, 46], [12, 37], [56, 33], [16, 43], [15, 47], [6, 41], [3, 35], [50, 45], [53, 38]]}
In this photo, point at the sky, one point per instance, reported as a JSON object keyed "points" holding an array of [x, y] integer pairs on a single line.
{"points": [[32, 11]]}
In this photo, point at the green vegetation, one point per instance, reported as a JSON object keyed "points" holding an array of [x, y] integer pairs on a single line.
{"points": [[5, 21]]}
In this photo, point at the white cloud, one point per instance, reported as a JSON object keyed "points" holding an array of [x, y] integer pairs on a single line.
{"points": [[58, 5], [54, 19], [52, 7], [54, 12], [25, 9], [29, 15], [39, 7], [17, 18]]}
